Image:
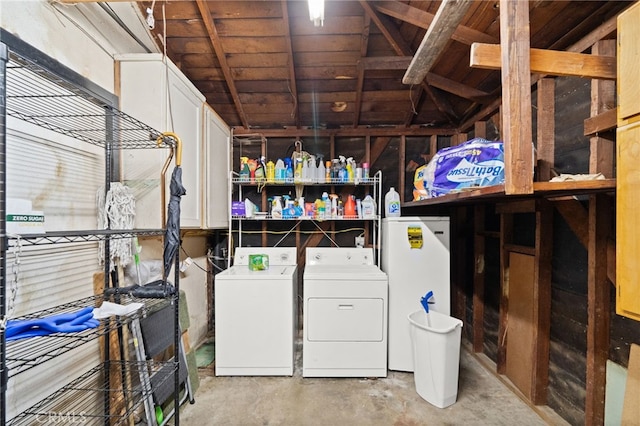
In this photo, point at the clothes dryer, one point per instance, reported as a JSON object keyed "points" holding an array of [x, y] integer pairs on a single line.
{"points": [[345, 314]]}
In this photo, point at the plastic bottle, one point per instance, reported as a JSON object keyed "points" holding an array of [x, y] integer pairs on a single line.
{"points": [[280, 173], [365, 172], [392, 203], [334, 206], [297, 172], [328, 174], [276, 208], [271, 171], [321, 172], [368, 208], [288, 170], [350, 208], [245, 173], [327, 205]]}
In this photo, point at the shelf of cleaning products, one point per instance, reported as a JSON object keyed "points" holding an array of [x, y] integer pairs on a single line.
{"points": [[24, 354], [50, 102], [259, 217], [365, 182], [83, 401], [83, 236]]}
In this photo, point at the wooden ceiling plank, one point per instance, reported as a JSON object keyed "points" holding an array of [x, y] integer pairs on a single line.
{"points": [[446, 20], [550, 62], [363, 53], [203, 7], [292, 69], [422, 19], [516, 96]]}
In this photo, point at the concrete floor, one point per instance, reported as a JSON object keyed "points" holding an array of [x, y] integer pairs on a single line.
{"points": [[482, 400]]}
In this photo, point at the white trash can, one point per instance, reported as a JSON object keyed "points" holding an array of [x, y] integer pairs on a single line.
{"points": [[436, 356]]}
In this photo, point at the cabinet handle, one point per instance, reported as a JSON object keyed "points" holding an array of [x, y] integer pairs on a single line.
{"points": [[345, 307]]}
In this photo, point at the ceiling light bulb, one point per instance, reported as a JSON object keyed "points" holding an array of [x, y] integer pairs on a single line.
{"points": [[316, 12]]}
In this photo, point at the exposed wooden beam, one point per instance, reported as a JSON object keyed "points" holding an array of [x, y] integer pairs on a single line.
{"points": [[423, 19], [203, 7], [291, 66], [400, 46], [360, 131], [516, 96], [364, 43], [446, 20], [601, 123], [435, 80], [550, 62]]}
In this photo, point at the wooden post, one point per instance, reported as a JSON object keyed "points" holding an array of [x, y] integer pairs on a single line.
{"points": [[478, 278], [542, 301], [546, 128], [506, 236], [600, 220], [516, 96]]}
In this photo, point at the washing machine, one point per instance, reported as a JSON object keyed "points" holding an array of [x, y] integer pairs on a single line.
{"points": [[256, 314], [345, 314]]}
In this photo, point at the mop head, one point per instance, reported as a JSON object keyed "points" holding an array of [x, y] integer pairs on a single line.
{"points": [[116, 211]]}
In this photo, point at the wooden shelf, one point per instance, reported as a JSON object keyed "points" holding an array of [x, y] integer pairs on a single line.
{"points": [[497, 193]]}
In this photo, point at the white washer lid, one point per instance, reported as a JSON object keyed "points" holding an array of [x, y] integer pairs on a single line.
{"points": [[344, 272], [242, 272]]}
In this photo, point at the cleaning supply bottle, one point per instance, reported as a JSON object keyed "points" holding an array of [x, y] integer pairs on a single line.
{"points": [[334, 206], [288, 166], [327, 205], [271, 172], [328, 174], [321, 172], [280, 171], [365, 172], [276, 208], [245, 173], [253, 165], [297, 170], [350, 169], [392, 203], [260, 173], [368, 207], [350, 208]]}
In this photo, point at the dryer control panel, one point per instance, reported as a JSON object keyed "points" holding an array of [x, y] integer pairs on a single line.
{"points": [[339, 256]]}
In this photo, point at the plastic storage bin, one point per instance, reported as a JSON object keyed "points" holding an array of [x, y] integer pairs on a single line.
{"points": [[436, 356]]}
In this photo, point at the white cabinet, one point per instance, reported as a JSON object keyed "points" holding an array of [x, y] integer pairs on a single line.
{"points": [[217, 141], [155, 91]]}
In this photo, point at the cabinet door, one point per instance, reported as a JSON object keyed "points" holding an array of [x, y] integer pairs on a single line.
{"points": [[628, 63], [174, 106], [185, 119], [627, 230], [217, 165]]}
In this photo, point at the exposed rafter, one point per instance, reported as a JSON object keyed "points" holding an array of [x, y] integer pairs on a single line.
{"points": [[203, 7], [292, 68], [423, 19], [363, 53], [401, 48], [444, 24]]}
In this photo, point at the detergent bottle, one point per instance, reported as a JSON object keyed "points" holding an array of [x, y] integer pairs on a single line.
{"points": [[280, 171], [245, 173], [350, 208], [271, 172], [392, 203], [368, 207], [350, 169], [334, 206], [297, 170]]}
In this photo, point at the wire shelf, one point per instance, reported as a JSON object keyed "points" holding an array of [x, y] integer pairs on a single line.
{"points": [[82, 400], [36, 96], [24, 354], [83, 236], [290, 181]]}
